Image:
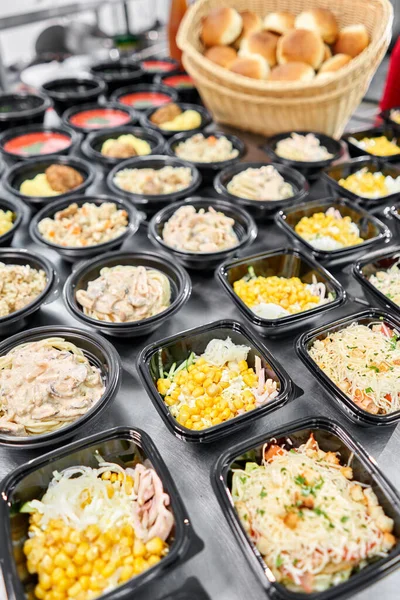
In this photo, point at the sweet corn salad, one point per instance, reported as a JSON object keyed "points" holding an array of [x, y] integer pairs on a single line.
{"points": [[370, 185], [219, 385], [274, 297], [329, 230], [388, 282], [96, 528], [6, 221], [378, 146]]}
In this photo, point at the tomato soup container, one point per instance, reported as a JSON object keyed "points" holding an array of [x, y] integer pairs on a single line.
{"points": [[26, 143]]}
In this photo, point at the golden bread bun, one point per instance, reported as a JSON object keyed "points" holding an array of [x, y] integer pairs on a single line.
{"points": [[321, 21], [255, 67], [301, 45], [334, 63], [292, 71], [263, 43], [279, 22], [251, 23], [221, 55], [327, 52], [352, 40], [221, 27]]}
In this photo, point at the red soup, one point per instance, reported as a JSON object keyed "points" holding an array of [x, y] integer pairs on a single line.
{"points": [[143, 100], [159, 65], [36, 143], [100, 118], [179, 81]]}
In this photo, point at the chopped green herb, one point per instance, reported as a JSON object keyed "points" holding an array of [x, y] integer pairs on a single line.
{"points": [[344, 519], [368, 390], [263, 493], [279, 561]]}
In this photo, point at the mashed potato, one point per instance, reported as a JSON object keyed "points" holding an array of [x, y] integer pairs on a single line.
{"points": [[189, 119], [38, 186]]}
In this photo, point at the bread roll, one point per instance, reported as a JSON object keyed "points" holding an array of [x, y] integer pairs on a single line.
{"points": [[255, 67], [301, 45], [327, 52], [292, 71], [251, 23], [352, 40], [221, 55], [279, 22], [263, 43], [334, 63], [221, 27], [321, 21]]}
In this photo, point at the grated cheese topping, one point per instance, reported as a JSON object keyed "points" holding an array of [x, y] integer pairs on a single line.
{"points": [[309, 521], [364, 361]]}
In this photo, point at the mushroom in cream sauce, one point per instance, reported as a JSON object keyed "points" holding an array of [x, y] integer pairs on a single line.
{"points": [[125, 293], [45, 385]]}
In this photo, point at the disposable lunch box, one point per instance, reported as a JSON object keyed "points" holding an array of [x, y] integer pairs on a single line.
{"points": [[144, 96], [372, 230], [116, 73], [333, 174], [182, 83], [191, 589], [342, 400], [281, 263], [19, 319], [369, 265], [22, 109], [386, 116], [206, 119], [152, 67], [208, 169], [179, 280], [17, 209], [244, 227], [151, 203], [310, 169], [91, 146], [177, 348], [123, 445], [67, 92], [72, 253], [355, 150], [32, 136], [330, 437], [21, 171], [99, 352], [262, 209], [94, 117]]}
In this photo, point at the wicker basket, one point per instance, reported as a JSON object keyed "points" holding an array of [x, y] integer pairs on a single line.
{"points": [[268, 107]]}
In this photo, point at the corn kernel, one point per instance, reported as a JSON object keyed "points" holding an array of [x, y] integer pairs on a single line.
{"points": [[155, 545]]}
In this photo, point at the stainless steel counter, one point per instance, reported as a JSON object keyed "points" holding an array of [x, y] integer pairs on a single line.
{"points": [[221, 566]]}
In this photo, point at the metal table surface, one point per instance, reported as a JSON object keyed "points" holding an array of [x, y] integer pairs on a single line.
{"points": [[220, 566]]}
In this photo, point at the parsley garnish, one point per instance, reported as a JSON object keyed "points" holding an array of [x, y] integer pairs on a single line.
{"points": [[368, 390], [344, 519], [263, 493], [260, 511], [279, 561], [300, 480]]}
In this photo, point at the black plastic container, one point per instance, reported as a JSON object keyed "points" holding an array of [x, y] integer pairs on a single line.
{"points": [[116, 73], [72, 254], [19, 319], [208, 169], [333, 174], [102, 111], [245, 229], [180, 283], [330, 437], [17, 174], [310, 169], [345, 404], [144, 96], [205, 119], [100, 353], [121, 445], [369, 265], [263, 209], [67, 92], [71, 139], [21, 109], [91, 146], [386, 116], [355, 150], [372, 230], [152, 67], [281, 263], [151, 203], [15, 206], [178, 347], [190, 590], [182, 83]]}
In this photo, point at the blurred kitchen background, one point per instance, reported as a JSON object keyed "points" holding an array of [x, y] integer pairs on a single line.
{"points": [[39, 38]]}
